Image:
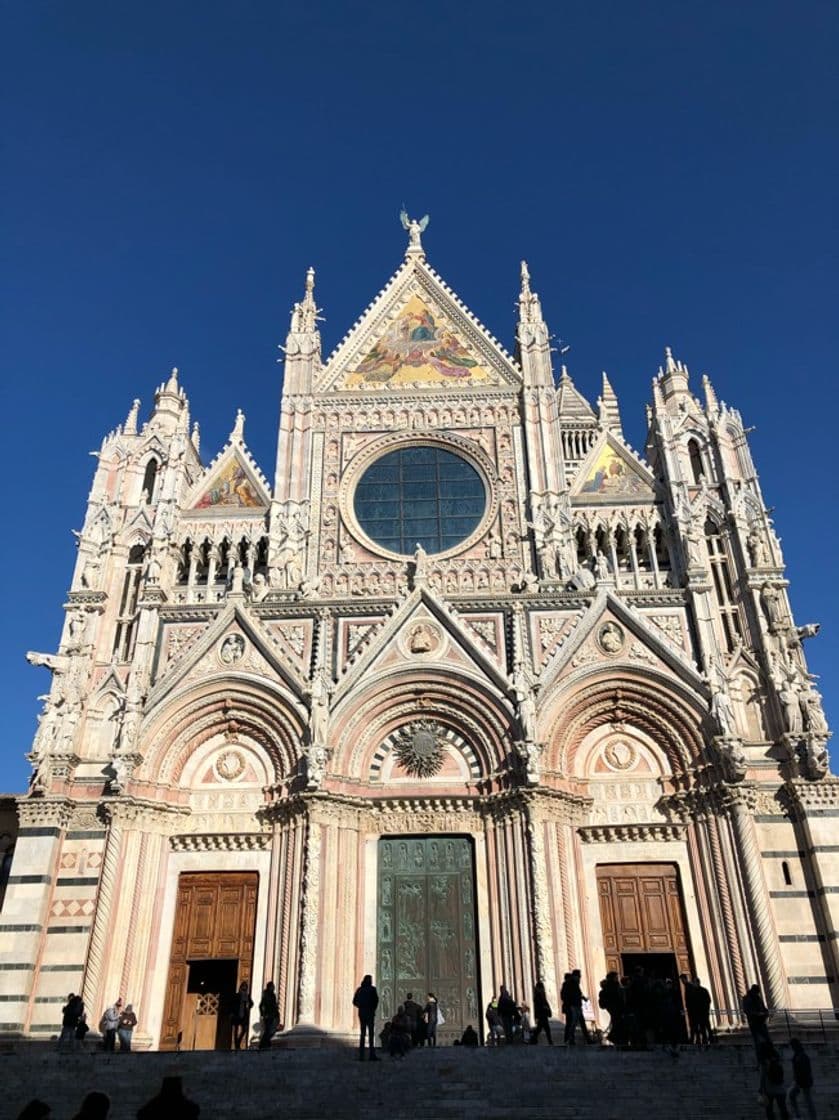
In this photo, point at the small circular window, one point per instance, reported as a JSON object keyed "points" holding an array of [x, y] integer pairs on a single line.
{"points": [[419, 495]]}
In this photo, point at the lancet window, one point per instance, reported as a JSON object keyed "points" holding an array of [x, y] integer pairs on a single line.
{"points": [[127, 616], [723, 588], [149, 481]]}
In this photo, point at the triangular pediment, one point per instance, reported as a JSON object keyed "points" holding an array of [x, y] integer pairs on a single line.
{"points": [[417, 335], [231, 484], [612, 473], [611, 633], [423, 635], [235, 643]]}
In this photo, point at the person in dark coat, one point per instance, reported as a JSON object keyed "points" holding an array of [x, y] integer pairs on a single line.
{"points": [[470, 1037], [71, 1014], [612, 998], [170, 1102], [572, 1005], [270, 1012], [757, 1017], [431, 1012], [802, 1076], [414, 1013], [541, 1014], [366, 1000], [241, 1017], [506, 1012], [702, 1012]]}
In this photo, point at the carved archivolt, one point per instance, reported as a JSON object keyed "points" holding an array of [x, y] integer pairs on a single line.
{"points": [[661, 714], [261, 715], [367, 718]]}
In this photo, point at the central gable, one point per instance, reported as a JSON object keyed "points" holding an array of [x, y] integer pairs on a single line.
{"points": [[611, 473], [420, 347], [417, 335], [230, 484]]}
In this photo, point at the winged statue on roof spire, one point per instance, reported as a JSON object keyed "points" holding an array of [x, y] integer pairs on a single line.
{"points": [[414, 227]]}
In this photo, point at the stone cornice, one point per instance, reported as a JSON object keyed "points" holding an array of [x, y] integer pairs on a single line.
{"points": [[33, 811], [820, 794], [620, 833]]}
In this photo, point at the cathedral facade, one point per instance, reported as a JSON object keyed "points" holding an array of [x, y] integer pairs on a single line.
{"points": [[474, 694]]}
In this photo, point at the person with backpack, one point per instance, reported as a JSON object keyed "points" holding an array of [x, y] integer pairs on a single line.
{"points": [[772, 1090], [802, 1076]]}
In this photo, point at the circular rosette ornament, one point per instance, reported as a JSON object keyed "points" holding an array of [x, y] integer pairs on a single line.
{"points": [[419, 748]]}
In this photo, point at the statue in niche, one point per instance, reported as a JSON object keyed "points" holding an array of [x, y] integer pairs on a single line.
{"points": [[602, 567], [420, 573], [789, 694], [76, 627], [320, 695], [756, 545], [90, 574], [770, 597], [524, 686], [813, 712], [723, 713]]}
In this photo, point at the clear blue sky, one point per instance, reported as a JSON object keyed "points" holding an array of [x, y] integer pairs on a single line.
{"points": [[170, 170]]}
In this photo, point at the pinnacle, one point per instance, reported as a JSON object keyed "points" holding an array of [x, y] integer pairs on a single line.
{"points": [[238, 433]]}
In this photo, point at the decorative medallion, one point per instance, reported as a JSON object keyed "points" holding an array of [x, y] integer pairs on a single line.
{"points": [[232, 649], [610, 638], [423, 637], [230, 765], [419, 748], [620, 755]]}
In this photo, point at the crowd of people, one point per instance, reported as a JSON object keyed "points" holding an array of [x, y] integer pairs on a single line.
{"points": [[117, 1022], [643, 1011]]}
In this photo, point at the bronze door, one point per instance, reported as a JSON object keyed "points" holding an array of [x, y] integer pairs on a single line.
{"points": [[427, 936], [212, 953], [641, 912]]}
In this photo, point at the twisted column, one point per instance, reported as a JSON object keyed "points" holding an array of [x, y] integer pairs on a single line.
{"points": [[757, 898], [104, 901], [309, 924], [729, 925], [540, 902]]}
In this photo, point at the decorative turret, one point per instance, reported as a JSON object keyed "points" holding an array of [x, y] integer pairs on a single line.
{"points": [[673, 375], [302, 347], [608, 409], [532, 340], [171, 408]]}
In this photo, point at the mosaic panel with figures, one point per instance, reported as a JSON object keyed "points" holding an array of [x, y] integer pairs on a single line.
{"points": [[427, 937]]}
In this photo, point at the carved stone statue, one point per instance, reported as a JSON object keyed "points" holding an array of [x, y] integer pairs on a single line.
{"points": [[813, 712], [414, 228], [524, 686], [76, 627], [602, 569], [420, 566], [320, 692], [789, 697], [258, 588], [758, 552], [770, 597], [723, 713], [90, 574], [316, 756], [815, 759], [529, 753], [734, 761]]}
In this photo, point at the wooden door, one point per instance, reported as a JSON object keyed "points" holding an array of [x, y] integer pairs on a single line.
{"points": [[427, 936], [641, 911], [215, 919]]}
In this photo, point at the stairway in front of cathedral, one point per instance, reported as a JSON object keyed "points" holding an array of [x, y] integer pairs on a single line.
{"points": [[525, 1083]]}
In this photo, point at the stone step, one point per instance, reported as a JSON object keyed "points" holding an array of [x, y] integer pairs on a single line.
{"points": [[528, 1083]]}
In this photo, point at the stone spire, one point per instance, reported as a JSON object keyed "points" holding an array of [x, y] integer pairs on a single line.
{"points": [[533, 350], [572, 405], [712, 405], [608, 409], [302, 347], [129, 428]]}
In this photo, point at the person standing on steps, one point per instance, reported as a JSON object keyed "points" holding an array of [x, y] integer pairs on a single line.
{"points": [[757, 1017], [702, 1005], [241, 1018], [431, 1011], [108, 1025], [541, 1014], [125, 1028], [270, 1012], [506, 1012], [366, 1000], [572, 1004], [802, 1076], [414, 1013]]}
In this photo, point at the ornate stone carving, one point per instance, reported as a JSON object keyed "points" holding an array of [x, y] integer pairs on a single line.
{"points": [[620, 755], [419, 748], [229, 765], [232, 649], [611, 638]]}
